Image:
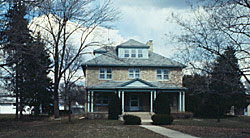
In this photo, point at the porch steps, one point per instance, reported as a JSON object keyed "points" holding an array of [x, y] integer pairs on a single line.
{"points": [[142, 115]]}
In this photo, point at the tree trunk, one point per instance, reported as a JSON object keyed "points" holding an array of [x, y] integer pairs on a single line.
{"points": [[16, 117], [218, 113], [56, 102], [17, 93], [69, 111]]}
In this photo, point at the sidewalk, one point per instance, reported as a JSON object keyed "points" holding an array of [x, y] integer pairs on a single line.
{"points": [[164, 131]]}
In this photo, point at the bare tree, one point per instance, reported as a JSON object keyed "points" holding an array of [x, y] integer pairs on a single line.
{"points": [[70, 78], [213, 26], [61, 19]]}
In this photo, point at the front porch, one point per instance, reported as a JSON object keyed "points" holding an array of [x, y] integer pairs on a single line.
{"points": [[133, 100], [135, 96]]}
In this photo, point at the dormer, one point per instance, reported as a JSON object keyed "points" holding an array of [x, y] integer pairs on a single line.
{"points": [[133, 49]]}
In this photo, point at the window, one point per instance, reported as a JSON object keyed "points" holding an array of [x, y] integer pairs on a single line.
{"points": [[140, 53], [105, 73], [126, 53], [101, 99], [133, 53], [133, 73], [162, 74]]}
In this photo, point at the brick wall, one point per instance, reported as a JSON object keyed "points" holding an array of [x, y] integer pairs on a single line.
{"points": [[119, 73]]}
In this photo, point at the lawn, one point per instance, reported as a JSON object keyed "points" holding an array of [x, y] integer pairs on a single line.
{"points": [[209, 128], [77, 128]]}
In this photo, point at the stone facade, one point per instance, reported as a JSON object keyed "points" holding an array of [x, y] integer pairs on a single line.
{"points": [[121, 74]]}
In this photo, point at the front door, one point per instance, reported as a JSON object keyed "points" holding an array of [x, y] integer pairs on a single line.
{"points": [[134, 103]]}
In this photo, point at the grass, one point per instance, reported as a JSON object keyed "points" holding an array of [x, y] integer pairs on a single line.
{"points": [[209, 128], [41, 127], [231, 122]]}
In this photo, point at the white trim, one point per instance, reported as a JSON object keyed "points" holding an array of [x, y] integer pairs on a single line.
{"points": [[122, 101], [105, 74], [180, 99], [119, 94], [92, 101], [183, 102], [134, 73], [151, 101], [162, 75], [88, 101]]}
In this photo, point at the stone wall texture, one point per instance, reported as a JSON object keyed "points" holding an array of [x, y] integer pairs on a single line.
{"points": [[121, 74]]}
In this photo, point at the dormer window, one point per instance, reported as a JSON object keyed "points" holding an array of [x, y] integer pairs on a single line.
{"points": [[126, 53], [140, 53], [133, 53]]}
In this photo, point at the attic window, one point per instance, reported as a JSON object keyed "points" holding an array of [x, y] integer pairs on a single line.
{"points": [[140, 53], [126, 53], [133, 53]]}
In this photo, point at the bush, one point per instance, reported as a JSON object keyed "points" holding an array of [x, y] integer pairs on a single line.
{"points": [[132, 120], [162, 119], [161, 104], [184, 115], [114, 107]]}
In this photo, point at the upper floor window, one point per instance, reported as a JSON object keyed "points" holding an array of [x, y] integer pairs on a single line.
{"points": [[133, 73], [133, 53], [105, 73], [126, 53], [140, 53], [162, 74]]}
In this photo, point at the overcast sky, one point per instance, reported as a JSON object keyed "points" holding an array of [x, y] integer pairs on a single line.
{"points": [[145, 20]]}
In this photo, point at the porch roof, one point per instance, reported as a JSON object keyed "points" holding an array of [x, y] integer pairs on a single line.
{"points": [[135, 84]]}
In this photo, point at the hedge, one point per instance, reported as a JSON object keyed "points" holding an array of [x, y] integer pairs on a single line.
{"points": [[162, 119], [132, 120]]}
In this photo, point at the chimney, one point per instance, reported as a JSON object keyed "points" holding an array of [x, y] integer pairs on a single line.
{"points": [[150, 44]]}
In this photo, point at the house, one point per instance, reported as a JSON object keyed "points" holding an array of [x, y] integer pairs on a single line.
{"points": [[8, 103], [136, 74]]}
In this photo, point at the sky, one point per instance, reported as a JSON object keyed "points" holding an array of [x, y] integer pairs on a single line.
{"points": [[145, 20]]}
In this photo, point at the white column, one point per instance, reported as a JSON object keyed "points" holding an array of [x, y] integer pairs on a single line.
{"points": [[88, 101], [119, 94], [154, 95], [151, 101], [180, 99], [92, 101], [183, 102], [122, 101]]}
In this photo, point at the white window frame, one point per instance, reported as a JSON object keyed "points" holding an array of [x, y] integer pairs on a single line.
{"points": [[132, 72], [105, 73], [126, 53], [162, 74], [140, 53], [133, 53]]}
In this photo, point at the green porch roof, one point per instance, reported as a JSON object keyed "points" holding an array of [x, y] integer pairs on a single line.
{"points": [[127, 85]]}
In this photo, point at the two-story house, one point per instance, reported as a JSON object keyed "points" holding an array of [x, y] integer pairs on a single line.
{"points": [[136, 74]]}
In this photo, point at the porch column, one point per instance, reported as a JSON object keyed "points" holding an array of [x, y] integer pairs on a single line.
{"points": [[119, 94], [122, 101], [88, 101], [183, 101], [154, 95], [151, 101], [180, 101], [92, 101]]}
